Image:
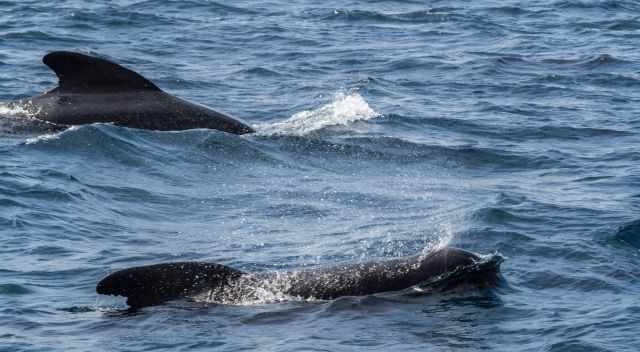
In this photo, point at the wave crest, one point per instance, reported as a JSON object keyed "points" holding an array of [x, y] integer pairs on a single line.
{"points": [[344, 109]]}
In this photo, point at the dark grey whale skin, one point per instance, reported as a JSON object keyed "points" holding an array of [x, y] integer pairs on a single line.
{"points": [[92, 90], [154, 284]]}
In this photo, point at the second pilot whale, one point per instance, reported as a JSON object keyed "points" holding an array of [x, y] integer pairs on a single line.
{"points": [[154, 284]]}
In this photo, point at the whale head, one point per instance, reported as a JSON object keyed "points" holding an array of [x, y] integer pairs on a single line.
{"points": [[449, 268], [445, 260], [153, 284]]}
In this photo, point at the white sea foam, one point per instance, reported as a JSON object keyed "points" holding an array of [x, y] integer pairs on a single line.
{"points": [[19, 118], [14, 111], [106, 303], [344, 109]]}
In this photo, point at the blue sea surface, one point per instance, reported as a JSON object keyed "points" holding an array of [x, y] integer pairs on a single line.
{"points": [[383, 127]]}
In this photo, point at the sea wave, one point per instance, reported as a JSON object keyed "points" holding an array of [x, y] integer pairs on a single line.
{"points": [[629, 234], [345, 108]]}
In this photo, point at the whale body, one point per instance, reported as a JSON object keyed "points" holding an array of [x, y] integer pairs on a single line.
{"points": [[92, 89], [154, 284]]}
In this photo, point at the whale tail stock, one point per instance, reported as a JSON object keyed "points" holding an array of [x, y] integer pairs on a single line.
{"points": [[153, 284]]}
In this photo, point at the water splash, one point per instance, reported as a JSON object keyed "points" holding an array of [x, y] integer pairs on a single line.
{"points": [[10, 110], [253, 289], [19, 118], [105, 303], [344, 109]]}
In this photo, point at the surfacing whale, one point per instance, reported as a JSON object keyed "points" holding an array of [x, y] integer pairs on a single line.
{"points": [[92, 89], [154, 284]]}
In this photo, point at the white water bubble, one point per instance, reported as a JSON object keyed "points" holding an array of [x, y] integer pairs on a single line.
{"points": [[107, 303], [344, 109]]}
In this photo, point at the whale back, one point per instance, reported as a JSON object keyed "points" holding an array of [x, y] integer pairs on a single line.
{"points": [[79, 73], [381, 276], [153, 284]]}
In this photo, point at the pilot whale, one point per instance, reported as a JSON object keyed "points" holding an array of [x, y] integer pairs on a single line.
{"points": [[154, 284], [92, 89]]}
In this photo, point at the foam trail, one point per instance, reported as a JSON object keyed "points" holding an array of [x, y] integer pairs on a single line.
{"points": [[344, 109]]}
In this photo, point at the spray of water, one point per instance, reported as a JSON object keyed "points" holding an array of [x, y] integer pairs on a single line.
{"points": [[253, 289], [441, 240]]}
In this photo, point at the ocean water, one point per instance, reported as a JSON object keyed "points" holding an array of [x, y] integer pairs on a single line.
{"points": [[384, 128]]}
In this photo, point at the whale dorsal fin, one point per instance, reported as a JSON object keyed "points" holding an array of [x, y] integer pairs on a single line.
{"points": [[79, 73]]}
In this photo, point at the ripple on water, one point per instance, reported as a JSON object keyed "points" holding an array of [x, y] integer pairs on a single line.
{"points": [[14, 289], [629, 234]]}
